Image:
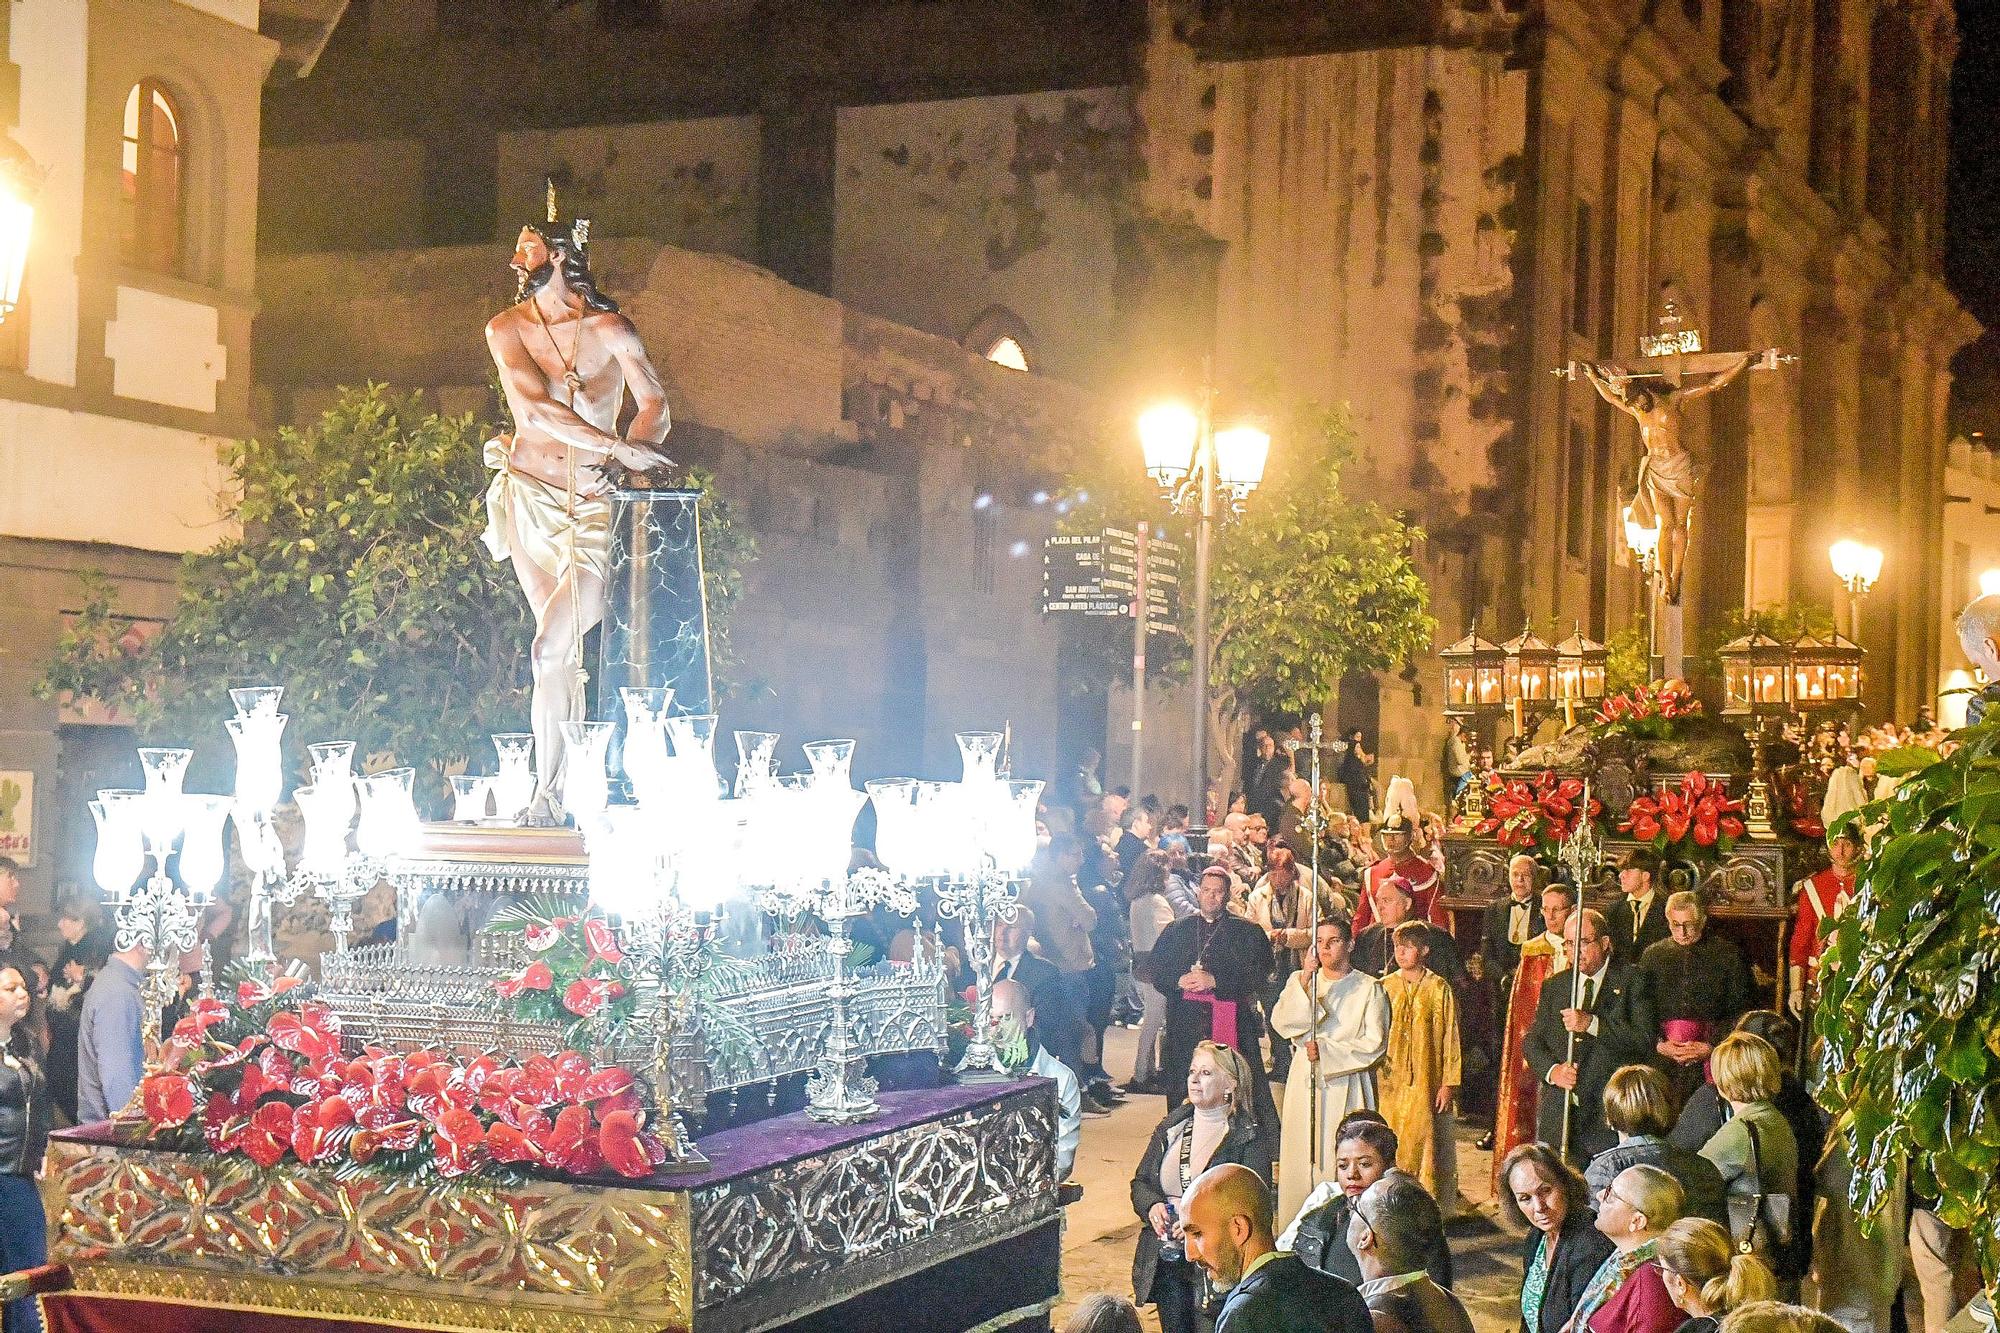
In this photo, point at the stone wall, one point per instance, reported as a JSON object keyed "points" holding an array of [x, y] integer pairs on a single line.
{"points": [[944, 211], [885, 604]]}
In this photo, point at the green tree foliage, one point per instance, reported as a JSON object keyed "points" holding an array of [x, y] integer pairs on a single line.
{"points": [[359, 584], [1910, 1009], [1309, 584]]}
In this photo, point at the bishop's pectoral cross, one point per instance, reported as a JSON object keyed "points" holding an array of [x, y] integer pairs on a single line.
{"points": [[1653, 388]]}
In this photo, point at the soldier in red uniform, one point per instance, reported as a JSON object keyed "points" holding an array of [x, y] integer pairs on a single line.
{"points": [[1394, 835], [1822, 898]]}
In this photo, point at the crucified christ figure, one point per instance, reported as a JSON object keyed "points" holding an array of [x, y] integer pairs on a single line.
{"points": [[1670, 476], [566, 359]]}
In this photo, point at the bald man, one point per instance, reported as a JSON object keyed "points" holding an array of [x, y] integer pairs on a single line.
{"points": [[1979, 635], [1012, 1014], [1226, 1214]]}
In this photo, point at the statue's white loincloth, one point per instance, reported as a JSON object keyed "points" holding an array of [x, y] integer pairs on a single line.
{"points": [[531, 512]]}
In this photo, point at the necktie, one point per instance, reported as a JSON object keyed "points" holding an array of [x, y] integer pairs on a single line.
{"points": [[1589, 994], [1006, 972], [1638, 916]]}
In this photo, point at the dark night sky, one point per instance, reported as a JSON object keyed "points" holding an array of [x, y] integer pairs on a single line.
{"points": [[1972, 233]]}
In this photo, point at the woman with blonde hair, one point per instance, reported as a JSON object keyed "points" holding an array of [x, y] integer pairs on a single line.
{"points": [[1707, 1276], [1756, 1151], [1217, 1124]]}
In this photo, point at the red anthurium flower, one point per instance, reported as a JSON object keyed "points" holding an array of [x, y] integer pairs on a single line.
{"points": [[313, 1031], [201, 1016], [321, 1077], [269, 1133], [1732, 827], [317, 1129], [433, 1093], [255, 992], [586, 995], [505, 1143], [540, 939], [535, 976], [380, 1129], [167, 1098], [601, 940], [223, 1124], [460, 1141], [618, 1142], [605, 1083]]}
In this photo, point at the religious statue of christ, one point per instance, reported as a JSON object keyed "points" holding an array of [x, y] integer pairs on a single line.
{"points": [[566, 360], [1670, 476]]}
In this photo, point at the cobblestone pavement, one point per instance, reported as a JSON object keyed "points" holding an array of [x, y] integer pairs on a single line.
{"points": [[1100, 1230]]}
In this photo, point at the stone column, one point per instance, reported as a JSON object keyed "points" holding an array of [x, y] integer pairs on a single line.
{"points": [[655, 618]]}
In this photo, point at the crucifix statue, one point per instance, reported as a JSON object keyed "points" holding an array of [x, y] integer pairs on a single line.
{"points": [[1654, 389], [567, 361]]}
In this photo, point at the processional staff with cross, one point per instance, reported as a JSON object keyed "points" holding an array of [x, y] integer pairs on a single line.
{"points": [[1653, 388]]}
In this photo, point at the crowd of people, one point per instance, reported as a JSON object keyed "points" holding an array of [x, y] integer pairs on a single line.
{"points": [[1649, 1131]]}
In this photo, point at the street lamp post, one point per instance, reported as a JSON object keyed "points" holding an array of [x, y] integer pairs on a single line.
{"points": [[1644, 543], [1857, 566], [1189, 460]]}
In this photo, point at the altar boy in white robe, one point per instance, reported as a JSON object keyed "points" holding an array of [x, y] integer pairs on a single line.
{"points": [[1337, 1020]]}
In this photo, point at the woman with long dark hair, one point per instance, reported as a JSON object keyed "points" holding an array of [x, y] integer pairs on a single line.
{"points": [[24, 1137]]}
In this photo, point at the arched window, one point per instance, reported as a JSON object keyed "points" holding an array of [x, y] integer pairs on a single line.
{"points": [[149, 202], [1000, 336], [1007, 351]]}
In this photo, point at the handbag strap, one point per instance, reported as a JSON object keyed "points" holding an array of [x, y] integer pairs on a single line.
{"points": [[1748, 1242]]}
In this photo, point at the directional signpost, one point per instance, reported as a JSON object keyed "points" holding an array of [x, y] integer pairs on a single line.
{"points": [[1098, 575], [1114, 573]]}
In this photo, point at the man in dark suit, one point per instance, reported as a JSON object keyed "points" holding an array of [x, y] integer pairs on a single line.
{"points": [[1226, 1215], [1264, 793], [1511, 922], [1057, 1022], [1614, 1025], [1639, 919]]}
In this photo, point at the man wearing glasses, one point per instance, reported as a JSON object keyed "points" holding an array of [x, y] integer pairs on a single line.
{"points": [[1613, 1024], [1387, 1233]]}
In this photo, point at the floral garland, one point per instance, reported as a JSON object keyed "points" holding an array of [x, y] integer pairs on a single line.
{"points": [[573, 978], [1539, 813], [265, 1077], [1692, 820], [1647, 712]]}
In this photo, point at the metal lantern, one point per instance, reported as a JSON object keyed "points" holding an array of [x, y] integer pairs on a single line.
{"points": [[1756, 676], [1580, 669], [1808, 673], [1843, 668], [1530, 669], [1474, 676]]}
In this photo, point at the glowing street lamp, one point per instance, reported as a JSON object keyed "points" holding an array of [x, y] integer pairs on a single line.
{"points": [[1240, 455], [1168, 433], [1188, 458], [20, 185], [1857, 566], [1989, 582]]}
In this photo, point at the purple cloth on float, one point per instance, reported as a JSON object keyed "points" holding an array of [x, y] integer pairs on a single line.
{"points": [[758, 1146]]}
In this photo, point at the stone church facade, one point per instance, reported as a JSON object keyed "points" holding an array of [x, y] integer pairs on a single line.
{"points": [[1419, 208]]}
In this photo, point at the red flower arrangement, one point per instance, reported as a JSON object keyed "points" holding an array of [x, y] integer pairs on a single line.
{"points": [[573, 977], [1695, 818], [267, 1078], [1537, 813], [1648, 710]]}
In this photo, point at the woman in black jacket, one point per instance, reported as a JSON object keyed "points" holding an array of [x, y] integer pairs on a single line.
{"points": [[1216, 1125], [24, 1137], [1564, 1247]]}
